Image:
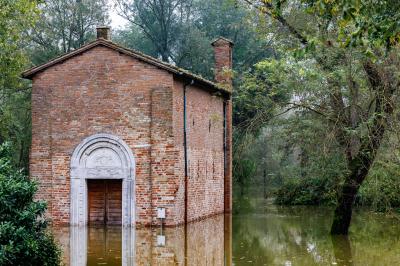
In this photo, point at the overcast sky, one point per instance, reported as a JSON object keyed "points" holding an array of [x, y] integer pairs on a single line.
{"points": [[116, 20]]}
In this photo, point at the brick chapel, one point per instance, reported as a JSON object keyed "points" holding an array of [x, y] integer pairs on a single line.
{"points": [[119, 137]]}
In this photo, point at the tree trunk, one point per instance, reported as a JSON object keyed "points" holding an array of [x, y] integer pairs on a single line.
{"points": [[360, 164], [343, 212], [358, 170]]}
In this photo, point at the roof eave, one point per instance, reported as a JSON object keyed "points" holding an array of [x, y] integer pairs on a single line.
{"points": [[28, 74]]}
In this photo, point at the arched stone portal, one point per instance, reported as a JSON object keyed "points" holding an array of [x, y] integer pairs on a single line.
{"points": [[102, 156]]}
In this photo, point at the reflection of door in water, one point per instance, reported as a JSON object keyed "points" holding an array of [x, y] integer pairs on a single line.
{"points": [[105, 201], [104, 246]]}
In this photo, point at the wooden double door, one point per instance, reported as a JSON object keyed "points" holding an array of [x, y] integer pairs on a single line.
{"points": [[104, 202]]}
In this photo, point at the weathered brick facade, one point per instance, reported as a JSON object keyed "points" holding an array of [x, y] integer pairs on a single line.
{"points": [[103, 88]]}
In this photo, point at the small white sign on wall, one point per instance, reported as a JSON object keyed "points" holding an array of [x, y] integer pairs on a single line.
{"points": [[160, 213], [161, 240]]}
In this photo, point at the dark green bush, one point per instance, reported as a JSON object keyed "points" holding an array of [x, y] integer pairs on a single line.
{"points": [[381, 189], [24, 239], [307, 191], [317, 183]]}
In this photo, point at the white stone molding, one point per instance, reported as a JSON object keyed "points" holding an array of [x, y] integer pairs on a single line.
{"points": [[102, 156], [78, 242], [128, 246]]}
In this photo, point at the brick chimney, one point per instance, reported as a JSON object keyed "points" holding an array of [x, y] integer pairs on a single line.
{"points": [[103, 32], [223, 61], [223, 76]]}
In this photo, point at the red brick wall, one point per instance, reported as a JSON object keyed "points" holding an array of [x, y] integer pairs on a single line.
{"points": [[100, 91], [103, 91], [205, 151], [163, 155]]}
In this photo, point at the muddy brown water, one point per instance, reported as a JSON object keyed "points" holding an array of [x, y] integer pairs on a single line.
{"points": [[264, 235]]}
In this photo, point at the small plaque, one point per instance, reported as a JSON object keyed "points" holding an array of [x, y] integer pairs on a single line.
{"points": [[161, 213], [160, 240]]}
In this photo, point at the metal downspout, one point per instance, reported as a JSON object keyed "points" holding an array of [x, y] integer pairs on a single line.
{"points": [[186, 163]]}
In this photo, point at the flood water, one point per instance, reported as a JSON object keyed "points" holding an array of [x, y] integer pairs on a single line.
{"points": [[260, 235]]}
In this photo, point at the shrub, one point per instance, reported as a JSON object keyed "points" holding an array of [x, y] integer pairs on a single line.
{"points": [[24, 239], [381, 189], [307, 191], [317, 185]]}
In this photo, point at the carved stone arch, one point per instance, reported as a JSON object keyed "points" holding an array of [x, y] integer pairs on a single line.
{"points": [[102, 156]]}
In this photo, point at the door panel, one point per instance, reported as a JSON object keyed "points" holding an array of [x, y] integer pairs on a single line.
{"points": [[105, 201], [114, 202], [96, 201]]}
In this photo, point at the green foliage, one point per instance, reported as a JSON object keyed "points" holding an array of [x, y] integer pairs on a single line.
{"points": [[24, 239], [258, 97], [381, 190], [264, 92], [244, 171], [371, 23], [308, 191], [235, 22], [163, 23], [16, 16], [310, 176], [314, 178], [191, 27], [15, 125], [341, 102], [64, 25]]}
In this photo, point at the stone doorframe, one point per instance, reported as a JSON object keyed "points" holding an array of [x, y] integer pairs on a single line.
{"points": [[101, 156]]}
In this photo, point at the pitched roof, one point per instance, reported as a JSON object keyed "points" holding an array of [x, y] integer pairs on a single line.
{"points": [[136, 54]]}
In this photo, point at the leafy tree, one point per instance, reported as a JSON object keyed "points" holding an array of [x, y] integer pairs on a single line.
{"points": [[24, 239], [260, 95], [15, 124], [185, 39], [64, 26], [36, 30], [245, 170], [353, 44], [161, 22], [223, 18], [15, 17]]}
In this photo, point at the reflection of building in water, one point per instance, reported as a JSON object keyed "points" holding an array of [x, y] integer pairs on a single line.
{"points": [[204, 244]]}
